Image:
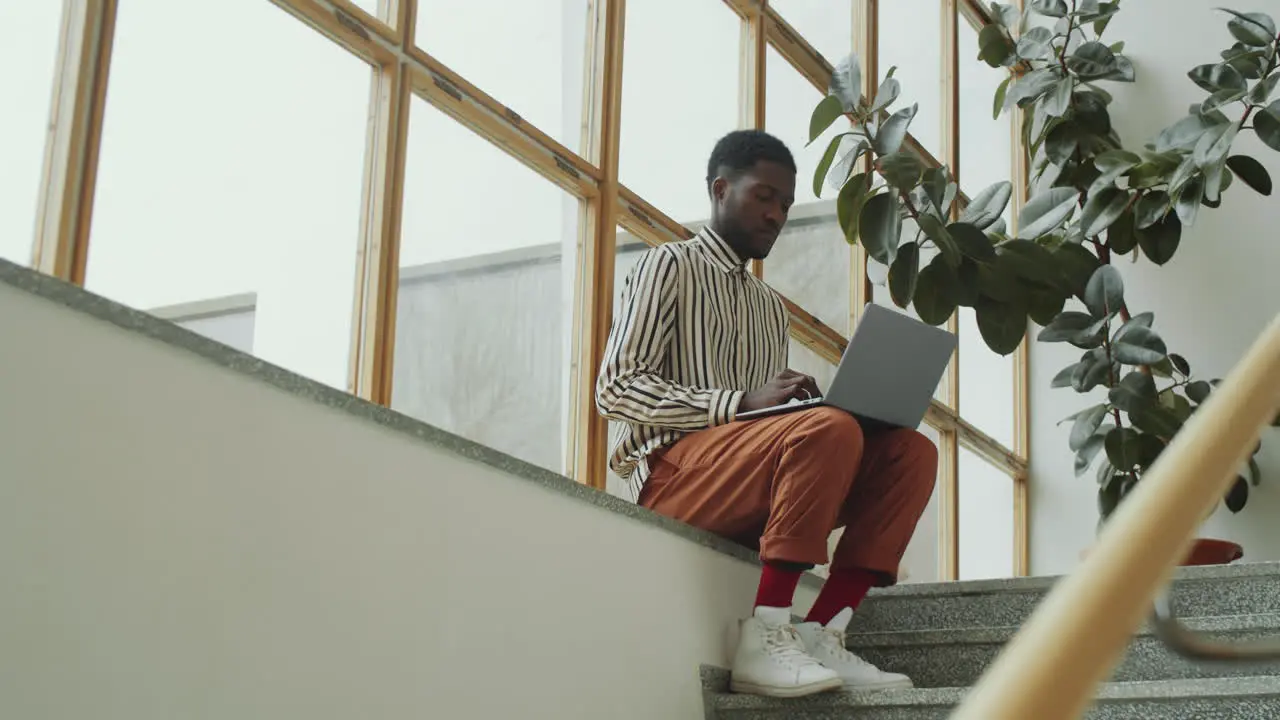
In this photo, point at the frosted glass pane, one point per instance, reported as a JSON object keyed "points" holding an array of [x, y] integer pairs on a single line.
{"points": [[827, 25], [811, 262], [527, 55], [679, 96], [986, 383], [921, 562], [986, 144], [483, 321], [220, 176], [986, 519], [911, 39], [28, 58]]}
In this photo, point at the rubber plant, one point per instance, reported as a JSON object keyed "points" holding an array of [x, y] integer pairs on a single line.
{"points": [[1095, 201]]}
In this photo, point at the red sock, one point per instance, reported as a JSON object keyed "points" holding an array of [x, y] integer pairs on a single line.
{"points": [[777, 586], [845, 588]]}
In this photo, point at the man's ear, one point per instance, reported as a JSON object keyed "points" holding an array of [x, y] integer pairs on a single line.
{"points": [[719, 187]]}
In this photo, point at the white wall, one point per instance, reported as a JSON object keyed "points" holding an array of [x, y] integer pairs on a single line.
{"points": [[1210, 302], [177, 540]]}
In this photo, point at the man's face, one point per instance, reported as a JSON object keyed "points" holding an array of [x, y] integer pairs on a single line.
{"points": [[754, 206]]}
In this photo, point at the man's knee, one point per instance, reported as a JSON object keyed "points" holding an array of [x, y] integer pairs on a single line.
{"points": [[922, 454], [832, 424]]}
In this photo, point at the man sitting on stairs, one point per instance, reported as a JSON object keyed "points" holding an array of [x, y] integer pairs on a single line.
{"points": [[698, 339]]}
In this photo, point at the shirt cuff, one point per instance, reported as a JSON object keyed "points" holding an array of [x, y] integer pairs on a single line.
{"points": [[724, 406]]}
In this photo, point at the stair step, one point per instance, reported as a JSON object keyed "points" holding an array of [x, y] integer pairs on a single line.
{"points": [[1240, 589], [955, 658], [1239, 698]]}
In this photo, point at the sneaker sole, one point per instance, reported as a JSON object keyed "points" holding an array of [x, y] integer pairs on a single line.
{"points": [[895, 685], [789, 691]]}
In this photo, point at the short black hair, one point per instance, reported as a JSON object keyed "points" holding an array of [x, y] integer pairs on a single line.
{"points": [[740, 150]]}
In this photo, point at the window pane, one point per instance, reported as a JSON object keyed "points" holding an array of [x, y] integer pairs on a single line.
{"points": [[827, 25], [986, 383], [811, 262], [986, 519], [483, 318], [986, 145], [219, 178], [679, 96], [28, 58], [527, 55], [921, 562], [911, 40]]}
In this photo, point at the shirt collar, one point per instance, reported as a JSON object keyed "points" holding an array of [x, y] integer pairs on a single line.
{"points": [[722, 255]]}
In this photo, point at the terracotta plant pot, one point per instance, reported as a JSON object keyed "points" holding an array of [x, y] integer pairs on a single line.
{"points": [[1207, 551]]}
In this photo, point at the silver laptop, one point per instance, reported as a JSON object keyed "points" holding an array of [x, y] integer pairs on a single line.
{"points": [[887, 375]]}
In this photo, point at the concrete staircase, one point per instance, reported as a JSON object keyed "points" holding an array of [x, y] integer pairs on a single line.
{"points": [[945, 635]]}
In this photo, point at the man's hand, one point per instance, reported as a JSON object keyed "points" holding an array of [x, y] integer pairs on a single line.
{"points": [[787, 385]]}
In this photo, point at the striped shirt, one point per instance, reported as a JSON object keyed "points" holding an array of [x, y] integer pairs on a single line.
{"points": [[695, 332]]}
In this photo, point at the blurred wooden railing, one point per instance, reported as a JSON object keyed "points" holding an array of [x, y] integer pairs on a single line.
{"points": [[1051, 668]]}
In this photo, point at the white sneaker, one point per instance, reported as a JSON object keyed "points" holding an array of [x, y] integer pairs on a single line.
{"points": [[826, 644], [771, 660]]}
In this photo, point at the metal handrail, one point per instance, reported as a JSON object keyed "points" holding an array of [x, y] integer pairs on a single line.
{"points": [[1196, 646]]}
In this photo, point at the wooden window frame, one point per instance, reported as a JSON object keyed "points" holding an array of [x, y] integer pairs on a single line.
{"points": [[401, 70]]}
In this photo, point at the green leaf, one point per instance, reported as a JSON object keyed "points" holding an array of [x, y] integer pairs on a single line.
{"points": [[1149, 449], [935, 287], [1077, 266], [1002, 324], [881, 227], [1143, 320], [1086, 424], [1251, 172], [901, 169], [889, 139], [1266, 124], [1253, 29], [1105, 292], [1046, 212], [1092, 60], [1102, 209], [934, 228], [1112, 164], [824, 165], [1063, 378], [971, 241], [846, 83], [1058, 102], [1176, 404], [1220, 99], [1035, 43], [1088, 453], [849, 206], [988, 205], [1121, 236], [939, 189], [1199, 391], [997, 104], [823, 115], [1255, 473], [1214, 145], [888, 92], [1217, 76], [1065, 327], [1136, 389], [1151, 208], [1180, 363], [968, 280], [1031, 86], [1188, 203], [1139, 346], [1261, 92], [1160, 241], [1052, 8], [1062, 142], [1156, 420], [1238, 496], [1045, 305], [1122, 448], [904, 273], [1092, 336], [1029, 260], [1185, 133], [994, 46], [843, 168]]}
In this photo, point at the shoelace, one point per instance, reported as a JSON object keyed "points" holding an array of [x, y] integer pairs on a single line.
{"points": [[784, 643], [834, 641]]}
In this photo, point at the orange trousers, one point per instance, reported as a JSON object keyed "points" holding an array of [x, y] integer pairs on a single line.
{"points": [[782, 484]]}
